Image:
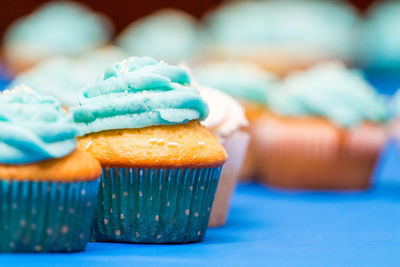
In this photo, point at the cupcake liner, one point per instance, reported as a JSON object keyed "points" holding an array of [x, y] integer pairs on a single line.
{"points": [[311, 153], [46, 216], [249, 170], [154, 205], [236, 147]]}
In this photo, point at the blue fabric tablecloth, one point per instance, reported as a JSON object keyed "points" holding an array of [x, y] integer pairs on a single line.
{"points": [[273, 228]]}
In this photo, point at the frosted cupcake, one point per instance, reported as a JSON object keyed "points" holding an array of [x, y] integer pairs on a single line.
{"points": [[56, 28], [281, 35], [380, 45], [160, 165], [48, 186], [63, 77], [394, 127], [166, 34], [325, 131], [248, 84], [228, 122]]}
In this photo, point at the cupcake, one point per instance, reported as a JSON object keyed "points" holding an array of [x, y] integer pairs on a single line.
{"points": [[394, 126], [228, 122], [380, 46], [48, 186], [56, 28], [324, 131], [166, 34], [247, 83], [160, 165], [282, 35], [63, 77]]}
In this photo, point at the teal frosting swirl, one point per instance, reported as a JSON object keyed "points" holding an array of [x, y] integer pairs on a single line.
{"points": [[63, 77], [139, 92], [330, 91], [61, 28], [311, 26], [167, 34], [33, 128], [380, 38], [242, 81]]}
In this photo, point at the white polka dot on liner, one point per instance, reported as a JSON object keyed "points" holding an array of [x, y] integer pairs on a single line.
{"points": [[64, 229]]}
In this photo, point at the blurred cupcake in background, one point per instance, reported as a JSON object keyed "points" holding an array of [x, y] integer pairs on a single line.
{"points": [[227, 121], [55, 28], [167, 34], [282, 35], [394, 128], [380, 46], [248, 84], [325, 131], [48, 186], [63, 77], [161, 167]]}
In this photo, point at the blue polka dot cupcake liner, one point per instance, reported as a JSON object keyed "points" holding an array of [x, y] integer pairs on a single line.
{"points": [[46, 216], [154, 205]]}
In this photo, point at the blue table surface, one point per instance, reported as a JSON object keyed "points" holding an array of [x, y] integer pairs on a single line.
{"points": [[275, 228]]}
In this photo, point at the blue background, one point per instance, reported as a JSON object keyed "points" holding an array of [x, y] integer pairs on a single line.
{"points": [[274, 228]]}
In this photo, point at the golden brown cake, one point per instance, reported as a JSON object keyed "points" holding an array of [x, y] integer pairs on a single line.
{"points": [[188, 145], [77, 166]]}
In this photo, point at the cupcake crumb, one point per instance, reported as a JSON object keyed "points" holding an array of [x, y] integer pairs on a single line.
{"points": [[88, 145], [173, 144], [153, 140], [160, 141]]}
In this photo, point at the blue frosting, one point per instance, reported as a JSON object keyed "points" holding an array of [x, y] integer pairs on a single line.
{"points": [[33, 128], [63, 77], [139, 92], [65, 28], [331, 91], [169, 35], [243, 81], [301, 25], [380, 38]]}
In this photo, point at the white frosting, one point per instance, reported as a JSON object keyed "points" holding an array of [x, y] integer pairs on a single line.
{"points": [[226, 115]]}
